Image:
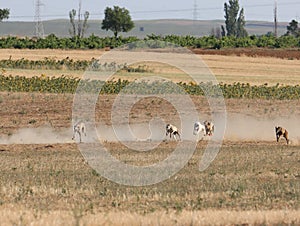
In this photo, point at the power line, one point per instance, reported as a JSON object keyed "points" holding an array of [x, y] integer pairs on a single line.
{"points": [[167, 10]]}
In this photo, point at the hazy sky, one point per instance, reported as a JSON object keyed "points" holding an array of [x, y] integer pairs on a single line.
{"points": [[24, 10]]}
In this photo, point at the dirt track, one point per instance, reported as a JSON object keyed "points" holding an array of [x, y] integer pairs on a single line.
{"points": [[51, 115]]}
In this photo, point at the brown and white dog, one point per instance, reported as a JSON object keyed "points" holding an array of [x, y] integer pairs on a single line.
{"points": [[209, 128], [172, 130], [280, 131]]}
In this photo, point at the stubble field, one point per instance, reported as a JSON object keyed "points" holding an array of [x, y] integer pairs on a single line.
{"points": [[253, 180], [229, 66]]}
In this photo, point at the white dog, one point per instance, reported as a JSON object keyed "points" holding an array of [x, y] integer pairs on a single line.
{"points": [[198, 127], [80, 129], [207, 128]]}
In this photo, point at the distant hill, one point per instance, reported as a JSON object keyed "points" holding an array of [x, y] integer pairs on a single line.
{"points": [[142, 28]]}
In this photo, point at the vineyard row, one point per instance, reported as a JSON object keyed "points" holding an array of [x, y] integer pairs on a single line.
{"points": [[151, 41], [69, 85], [68, 64]]}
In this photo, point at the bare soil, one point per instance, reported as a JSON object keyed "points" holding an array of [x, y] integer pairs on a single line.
{"points": [[21, 110], [252, 52], [88, 54]]}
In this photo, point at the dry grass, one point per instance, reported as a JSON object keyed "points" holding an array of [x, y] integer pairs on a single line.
{"points": [[254, 70], [227, 69], [208, 217], [40, 54], [262, 179]]}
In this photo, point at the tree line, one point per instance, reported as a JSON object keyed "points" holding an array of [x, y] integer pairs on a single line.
{"points": [[151, 41]]}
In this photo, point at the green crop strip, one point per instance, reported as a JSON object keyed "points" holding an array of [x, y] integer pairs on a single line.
{"points": [[69, 64], [152, 41], [69, 85]]}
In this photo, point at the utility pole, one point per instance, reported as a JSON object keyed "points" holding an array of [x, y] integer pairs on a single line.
{"points": [[275, 20], [79, 20], [195, 12], [39, 28]]}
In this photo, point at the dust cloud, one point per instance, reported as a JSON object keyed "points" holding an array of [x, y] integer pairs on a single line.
{"points": [[40, 135], [248, 128], [239, 127]]}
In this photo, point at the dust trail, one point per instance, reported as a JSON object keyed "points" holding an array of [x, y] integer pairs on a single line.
{"points": [[40, 135], [239, 127], [248, 128]]}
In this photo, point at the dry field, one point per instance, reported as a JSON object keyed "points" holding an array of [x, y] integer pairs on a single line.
{"points": [[248, 183], [245, 66], [253, 180]]}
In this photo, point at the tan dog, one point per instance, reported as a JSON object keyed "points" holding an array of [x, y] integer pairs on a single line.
{"points": [[280, 131]]}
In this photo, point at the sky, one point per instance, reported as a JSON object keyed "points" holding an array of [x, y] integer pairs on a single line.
{"points": [[24, 10]]}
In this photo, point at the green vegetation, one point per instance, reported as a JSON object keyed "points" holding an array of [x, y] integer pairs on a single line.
{"points": [[53, 42], [4, 14], [53, 64], [234, 19], [293, 29], [68, 85], [152, 41], [117, 20], [69, 64]]}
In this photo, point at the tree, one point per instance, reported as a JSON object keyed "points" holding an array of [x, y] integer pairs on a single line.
{"points": [[78, 25], [293, 29], [4, 14], [117, 20], [241, 31], [234, 19], [223, 31]]}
